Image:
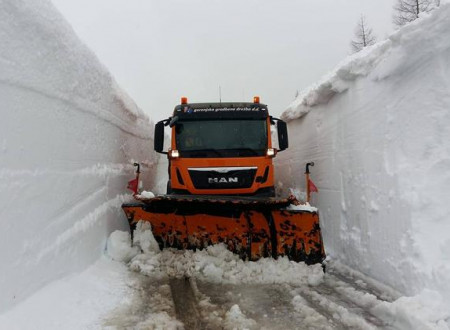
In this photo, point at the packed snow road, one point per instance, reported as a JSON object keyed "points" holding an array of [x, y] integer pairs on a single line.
{"points": [[331, 305], [338, 302], [214, 289]]}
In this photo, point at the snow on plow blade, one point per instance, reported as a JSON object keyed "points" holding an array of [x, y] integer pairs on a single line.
{"points": [[251, 227]]}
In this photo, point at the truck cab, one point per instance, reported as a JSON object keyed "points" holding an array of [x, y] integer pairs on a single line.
{"points": [[221, 148]]}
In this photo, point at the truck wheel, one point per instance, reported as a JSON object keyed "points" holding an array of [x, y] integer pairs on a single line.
{"points": [[169, 188]]}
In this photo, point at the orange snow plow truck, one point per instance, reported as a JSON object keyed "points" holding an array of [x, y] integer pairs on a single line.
{"points": [[221, 186]]}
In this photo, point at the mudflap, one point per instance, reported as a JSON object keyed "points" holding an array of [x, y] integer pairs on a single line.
{"points": [[250, 228]]}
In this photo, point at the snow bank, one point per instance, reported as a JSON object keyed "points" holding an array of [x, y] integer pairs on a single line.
{"points": [[76, 302], [68, 135], [119, 246], [104, 296], [378, 130]]}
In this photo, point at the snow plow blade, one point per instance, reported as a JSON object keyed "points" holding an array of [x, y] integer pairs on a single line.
{"points": [[248, 226]]}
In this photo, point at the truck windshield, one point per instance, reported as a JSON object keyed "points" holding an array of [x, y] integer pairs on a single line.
{"points": [[221, 138]]}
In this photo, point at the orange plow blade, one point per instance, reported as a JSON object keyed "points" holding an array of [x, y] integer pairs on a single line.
{"points": [[251, 227]]}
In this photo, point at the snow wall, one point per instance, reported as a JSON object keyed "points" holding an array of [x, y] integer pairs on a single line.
{"points": [[68, 137], [378, 129]]}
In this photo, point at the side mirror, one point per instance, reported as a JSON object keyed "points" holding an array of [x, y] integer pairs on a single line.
{"points": [[173, 121], [159, 137], [283, 141]]}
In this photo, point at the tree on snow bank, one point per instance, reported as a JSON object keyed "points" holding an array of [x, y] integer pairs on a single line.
{"points": [[363, 36], [406, 11]]}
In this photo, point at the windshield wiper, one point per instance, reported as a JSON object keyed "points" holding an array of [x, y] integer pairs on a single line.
{"points": [[247, 152], [204, 152], [235, 152]]}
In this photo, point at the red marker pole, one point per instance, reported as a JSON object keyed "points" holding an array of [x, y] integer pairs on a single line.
{"points": [[138, 171], [133, 185], [308, 180]]}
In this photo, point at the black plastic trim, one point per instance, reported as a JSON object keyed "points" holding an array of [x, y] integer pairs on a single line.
{"points": [[179, 177]]}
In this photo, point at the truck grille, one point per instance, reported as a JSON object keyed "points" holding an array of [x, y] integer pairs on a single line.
{"points": [[222, 177]]}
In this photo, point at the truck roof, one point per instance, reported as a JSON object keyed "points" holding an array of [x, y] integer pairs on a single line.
{"points": [[224, 110]]}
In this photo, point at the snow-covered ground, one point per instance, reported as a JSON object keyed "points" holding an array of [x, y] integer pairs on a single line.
{"points": [[68, 137], [378, 130], [214, 289], [76, 302], [340, 298]]}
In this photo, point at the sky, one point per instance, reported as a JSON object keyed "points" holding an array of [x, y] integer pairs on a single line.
{"points": [[160, 50]]}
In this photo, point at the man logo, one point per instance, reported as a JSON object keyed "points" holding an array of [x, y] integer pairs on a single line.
{"points": [[223, 180]]}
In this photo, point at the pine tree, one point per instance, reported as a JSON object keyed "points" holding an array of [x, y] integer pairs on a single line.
{"points": [[363, 36], [408, 10]]}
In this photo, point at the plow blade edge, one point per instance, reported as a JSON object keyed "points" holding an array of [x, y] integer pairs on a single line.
{"points": [[251, 228]]}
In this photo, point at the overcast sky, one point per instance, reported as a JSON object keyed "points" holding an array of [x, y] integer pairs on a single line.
{"points": [[160, 50]]}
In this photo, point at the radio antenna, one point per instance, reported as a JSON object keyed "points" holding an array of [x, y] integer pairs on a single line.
{"points": [[220, 94]]}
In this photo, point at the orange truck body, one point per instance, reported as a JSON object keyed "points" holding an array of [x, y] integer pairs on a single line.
{"points": [[262, 164], [254, 171], [221, 186]]}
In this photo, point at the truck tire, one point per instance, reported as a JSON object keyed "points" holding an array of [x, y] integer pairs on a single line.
{"points": [[169, 188]]}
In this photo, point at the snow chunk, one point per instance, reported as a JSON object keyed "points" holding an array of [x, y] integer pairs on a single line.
{"points": [[302, 207], [235, 319], [297, 193], [148, 264], [146, 195], [143, 237], [161, 320], [315, 277], [119, 246], [213, 272]]}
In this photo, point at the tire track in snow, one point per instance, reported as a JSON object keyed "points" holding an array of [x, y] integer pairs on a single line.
{"points": [[262, 306], [351, 299], [350, 303], [324, 304], [186, 304], [362, 286], [358, 280], [150, 307]]}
